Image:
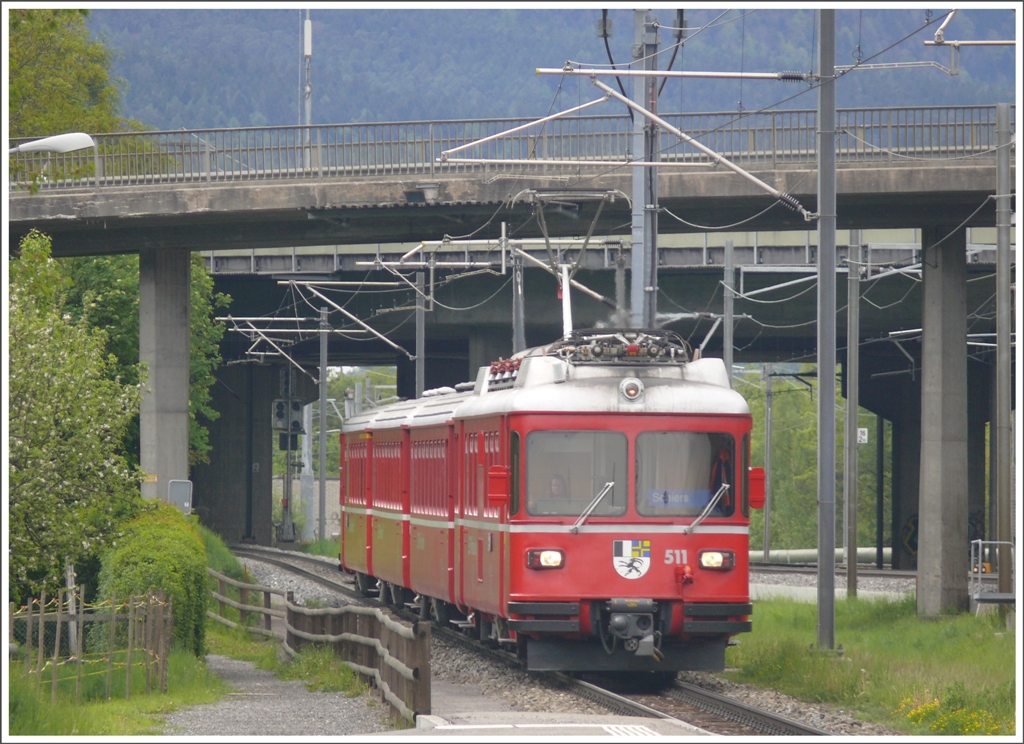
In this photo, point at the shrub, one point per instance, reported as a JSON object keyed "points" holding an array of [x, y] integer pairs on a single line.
{"points": [[160, 550]]}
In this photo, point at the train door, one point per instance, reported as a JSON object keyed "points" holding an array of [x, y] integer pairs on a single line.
{"points": [[356, 448], [387, 523], [429, 506]]}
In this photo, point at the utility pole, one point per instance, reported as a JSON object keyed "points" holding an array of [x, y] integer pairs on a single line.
{"points": [[307, 92], [727, 299], [518, 330], [826, 330], [1003, 490], [851, 467], [644, 221], [324, 329], [421, 335], [767, 458]]}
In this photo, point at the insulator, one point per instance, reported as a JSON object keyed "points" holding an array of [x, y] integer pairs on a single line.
{"points": [[792, 77], [789, 202]]}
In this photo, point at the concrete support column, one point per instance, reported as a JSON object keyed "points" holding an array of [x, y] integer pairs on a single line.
{"points": [[943, 549], [164, 304]]}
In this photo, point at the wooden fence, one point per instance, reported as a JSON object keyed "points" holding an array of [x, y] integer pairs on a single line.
{"points": [[368, 640], [60, 626]]}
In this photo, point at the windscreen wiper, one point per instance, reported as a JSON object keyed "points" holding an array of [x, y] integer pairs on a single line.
{"points": [[707, 509], [592, 505]]}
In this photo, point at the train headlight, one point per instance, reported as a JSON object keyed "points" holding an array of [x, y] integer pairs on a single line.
{"points": [[545, 558], [631, 389], [721, 560]]}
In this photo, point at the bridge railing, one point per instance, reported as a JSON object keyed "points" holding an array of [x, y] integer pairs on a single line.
{"points": [[889, 136]]}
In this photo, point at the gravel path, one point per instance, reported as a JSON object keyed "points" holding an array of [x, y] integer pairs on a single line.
{"points": [[263, 705]]}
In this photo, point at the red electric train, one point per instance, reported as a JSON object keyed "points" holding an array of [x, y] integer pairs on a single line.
{"points": [[587, 502]]}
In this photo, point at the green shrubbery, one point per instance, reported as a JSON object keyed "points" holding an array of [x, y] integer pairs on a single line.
{"points": [[161, 550]]}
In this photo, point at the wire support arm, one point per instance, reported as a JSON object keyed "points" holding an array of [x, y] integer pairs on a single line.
{"points": [[353, 318], [581, 287], [460, 148], [787, 201]]}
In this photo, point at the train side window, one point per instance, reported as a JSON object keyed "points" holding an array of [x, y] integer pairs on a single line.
{"points": [[514, 471]]}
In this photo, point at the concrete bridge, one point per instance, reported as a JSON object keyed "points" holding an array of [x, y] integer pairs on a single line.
{"points": [[233, 192]]}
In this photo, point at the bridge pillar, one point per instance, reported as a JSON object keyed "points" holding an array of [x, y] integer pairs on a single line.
{"points": [[164, 302], [943, 548], [978, 392], [232, 492]]}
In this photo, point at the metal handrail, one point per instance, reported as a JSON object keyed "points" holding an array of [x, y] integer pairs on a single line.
{"points": [[881, 136], [978, 549]]}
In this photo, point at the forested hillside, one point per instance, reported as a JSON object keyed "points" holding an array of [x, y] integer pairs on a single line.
{"points": [[203, 68]]}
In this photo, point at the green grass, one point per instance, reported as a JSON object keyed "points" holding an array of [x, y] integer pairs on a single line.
{"points": [[954, 675], [218, 557], [31, 712], [319, 668], [329, 547]]}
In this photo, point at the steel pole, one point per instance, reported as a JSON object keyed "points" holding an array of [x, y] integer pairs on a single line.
{"points": [[826, 330], [322, 464], [727, 300], [768, 395], [851, 468], [518, 321], [1004, 487], [421, 335], [879, 491], [638, 256]]}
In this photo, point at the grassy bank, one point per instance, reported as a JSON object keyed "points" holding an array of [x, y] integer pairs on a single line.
{"points": [[31, 711], [953, 675]]}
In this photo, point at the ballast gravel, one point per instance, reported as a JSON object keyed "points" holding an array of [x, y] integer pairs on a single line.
{"points": [[523, 691]]}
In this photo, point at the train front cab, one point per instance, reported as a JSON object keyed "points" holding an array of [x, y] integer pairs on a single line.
{"points": [[629, 587]]}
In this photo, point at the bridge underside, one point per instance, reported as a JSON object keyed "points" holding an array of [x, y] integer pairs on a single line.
{"points": [[269, 214]]}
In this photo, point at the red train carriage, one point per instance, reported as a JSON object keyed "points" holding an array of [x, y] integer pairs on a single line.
{"points": [[587, 501]]}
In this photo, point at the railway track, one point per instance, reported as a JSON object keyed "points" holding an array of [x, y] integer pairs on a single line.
{"points": [[679, 701]]}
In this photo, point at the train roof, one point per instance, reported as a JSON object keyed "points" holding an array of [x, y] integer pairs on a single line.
{"points": [[562, 379]]}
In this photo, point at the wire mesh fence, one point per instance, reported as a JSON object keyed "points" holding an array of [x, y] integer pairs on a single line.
{"points": [[102, 650]]}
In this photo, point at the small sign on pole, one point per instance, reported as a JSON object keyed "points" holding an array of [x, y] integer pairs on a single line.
{"points": [[862, 435]]}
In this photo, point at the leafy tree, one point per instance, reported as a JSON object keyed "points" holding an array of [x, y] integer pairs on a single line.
{"points": [[106, 290], [59, 79], [69, 483]]}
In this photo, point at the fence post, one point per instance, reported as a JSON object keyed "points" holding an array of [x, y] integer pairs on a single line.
{"points": [[266, 606], [421, 660], [206, 159], [243, 598], [28, 636], [168, 640], [56, 644], [128, 657], [110, 649], [222, 591], [147, 636], [159, 632], [81, 642], [289, 640], [42, 635]]}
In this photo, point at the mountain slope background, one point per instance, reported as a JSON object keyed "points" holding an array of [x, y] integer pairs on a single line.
{"points": [[230, 68]]}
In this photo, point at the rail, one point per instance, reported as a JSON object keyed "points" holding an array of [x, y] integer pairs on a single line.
{"points": [[769, 139]]}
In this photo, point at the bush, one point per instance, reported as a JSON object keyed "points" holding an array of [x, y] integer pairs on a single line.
{"points": [[160, 550]]}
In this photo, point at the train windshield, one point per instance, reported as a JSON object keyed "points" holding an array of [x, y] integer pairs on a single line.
{"points": [[679, 472], [565, 470]]}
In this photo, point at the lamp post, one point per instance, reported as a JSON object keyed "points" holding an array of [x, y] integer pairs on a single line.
{"points": [[63, 143]]}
